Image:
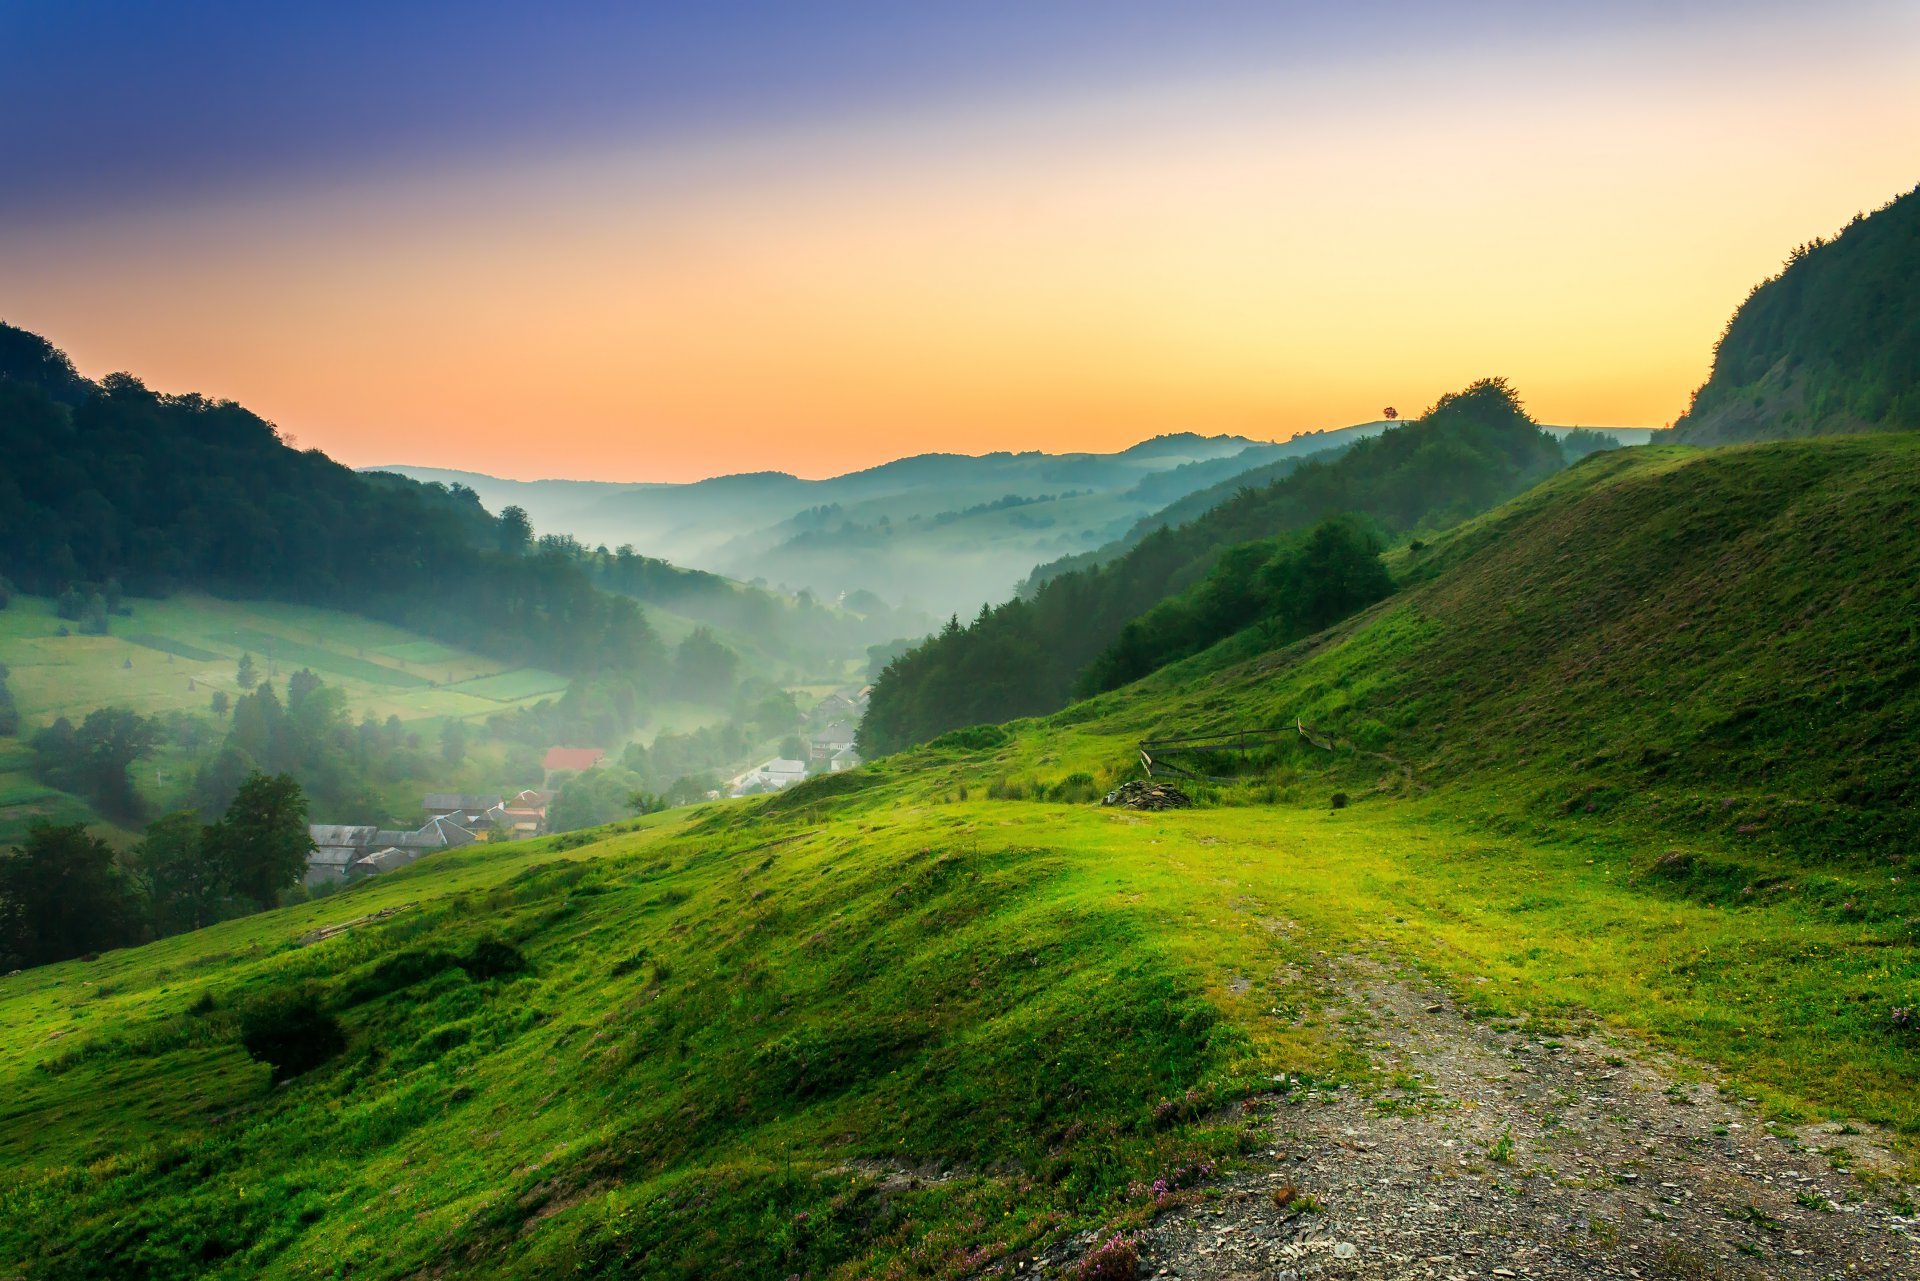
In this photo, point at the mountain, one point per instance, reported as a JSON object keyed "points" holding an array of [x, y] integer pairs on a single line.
{"points": [[1618, 777], [1023, 658], [944, 532], [1831, 344]]}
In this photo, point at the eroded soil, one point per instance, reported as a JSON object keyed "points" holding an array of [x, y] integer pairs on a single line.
{"points": [[1501, 1150]]}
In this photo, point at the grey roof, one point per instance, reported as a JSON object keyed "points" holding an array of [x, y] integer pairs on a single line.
{"points": [[325, 834], [838, 734], [386, 860], [449, 832]]}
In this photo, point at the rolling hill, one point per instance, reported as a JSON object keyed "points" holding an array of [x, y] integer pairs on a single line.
{"points": [[942, 532], [1624, 757], [1472, 449]]}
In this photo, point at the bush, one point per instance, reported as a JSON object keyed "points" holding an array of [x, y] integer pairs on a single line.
{"points": [[290, 1031], [491, 959], [1339, 800], [1115, 1259], [1075, 788]]}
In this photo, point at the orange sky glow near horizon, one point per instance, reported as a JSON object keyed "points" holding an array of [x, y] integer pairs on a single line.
{"points": [[1253, 255]]}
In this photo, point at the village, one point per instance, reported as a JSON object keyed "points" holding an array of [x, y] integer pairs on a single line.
{"points": [[344, 852]]}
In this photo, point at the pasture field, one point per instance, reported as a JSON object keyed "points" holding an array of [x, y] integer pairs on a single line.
{"points": [[172, 655], [733, 1023]]}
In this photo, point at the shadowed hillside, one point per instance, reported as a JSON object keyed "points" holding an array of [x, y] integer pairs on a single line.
{"points": [[1831, 344]]}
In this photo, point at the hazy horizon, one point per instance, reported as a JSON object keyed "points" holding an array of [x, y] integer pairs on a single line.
{"points": [[644, 245]]}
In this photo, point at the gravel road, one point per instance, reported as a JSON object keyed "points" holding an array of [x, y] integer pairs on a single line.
{"points": [[1505, 1151]]}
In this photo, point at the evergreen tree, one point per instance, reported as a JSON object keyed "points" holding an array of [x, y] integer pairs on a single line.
{"points": [[703, 668], [453, 742], [245, 675]]}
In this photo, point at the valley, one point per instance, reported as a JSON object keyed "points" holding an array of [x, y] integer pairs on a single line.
{"points": [[799, 1033], [1039, 642]]}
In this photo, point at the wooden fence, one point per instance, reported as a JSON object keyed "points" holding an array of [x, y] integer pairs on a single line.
{"points": [[1153, 751]]}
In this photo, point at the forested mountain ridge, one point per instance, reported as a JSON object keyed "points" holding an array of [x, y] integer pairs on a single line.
{"points": [[1472, 449], [1831, 344], [942, 532], [111, 487]]}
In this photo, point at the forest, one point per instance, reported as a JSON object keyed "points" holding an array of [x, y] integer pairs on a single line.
{"points": [[1830, 344], [112, 488]]}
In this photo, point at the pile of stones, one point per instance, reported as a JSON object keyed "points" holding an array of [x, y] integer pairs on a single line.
{"points": [[1139, 795]]}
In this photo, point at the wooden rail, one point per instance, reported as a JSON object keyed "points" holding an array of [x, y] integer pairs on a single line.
{"points": [[1233, 740]]}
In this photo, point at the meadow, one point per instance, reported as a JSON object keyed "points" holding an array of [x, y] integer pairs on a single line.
{"points": [[729, 1035], [173, 654]]}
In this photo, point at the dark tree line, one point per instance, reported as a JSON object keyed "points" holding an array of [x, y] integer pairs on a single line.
{"points": [[112, 483], [1292, 586], [63, 893], [1472, 450]]}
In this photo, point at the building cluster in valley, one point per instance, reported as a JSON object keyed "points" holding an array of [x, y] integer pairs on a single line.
{"points": [[830, 747], [344, 852]]}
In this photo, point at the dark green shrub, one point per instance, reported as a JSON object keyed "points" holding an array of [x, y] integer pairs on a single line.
{"points": [[1339, 801], [290, 1031], [492, 959]]}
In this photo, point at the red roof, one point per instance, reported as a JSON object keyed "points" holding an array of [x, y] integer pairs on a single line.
{"points": [[572, 758]]}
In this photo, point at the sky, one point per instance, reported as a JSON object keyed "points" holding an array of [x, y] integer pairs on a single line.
{"points": [[658, 242]]}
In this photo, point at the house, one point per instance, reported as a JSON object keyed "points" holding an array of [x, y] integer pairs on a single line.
{"points": [[387, 860], [335, 847], [844, 759], [571, 760], [524, 814], [342, 851], [770, 777], [834, 738], [834, 707], [465, 809]]}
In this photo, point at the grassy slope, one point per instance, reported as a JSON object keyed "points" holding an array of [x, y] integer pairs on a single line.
{"points": [[740, 1025], [381, 669]]}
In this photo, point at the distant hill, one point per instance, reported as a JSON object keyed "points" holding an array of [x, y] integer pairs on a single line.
{"points": [[1830, 345], [110, 487], [944, 532], [1182, 509], [1473, 449]]}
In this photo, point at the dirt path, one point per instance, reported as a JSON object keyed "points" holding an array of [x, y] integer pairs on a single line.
{"points": [[1505, 1153]]}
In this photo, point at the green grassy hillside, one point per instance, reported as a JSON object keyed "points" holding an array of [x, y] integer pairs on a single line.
{"points": [[1647, 623], [1625, 750]]}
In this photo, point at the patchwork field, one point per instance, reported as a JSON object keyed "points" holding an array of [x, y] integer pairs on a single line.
{"points": [[174, 654]]}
